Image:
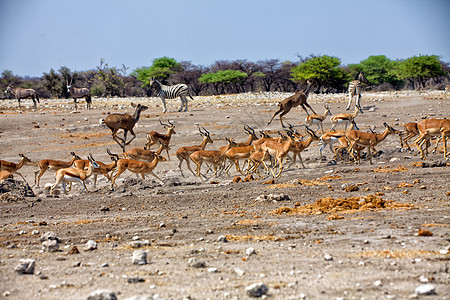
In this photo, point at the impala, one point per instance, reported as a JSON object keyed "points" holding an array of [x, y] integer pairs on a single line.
{"points": [[154, 137], [299, 98], [214, 157], [137, 167], [433, 127], [185, 152], [70, 175], [328, 138], [278, 150], [102, 169], [343, 118], [13, 167], [297, 147], [366, 140], [126, 122], [5, 175], [318, 119], [52, 164]]}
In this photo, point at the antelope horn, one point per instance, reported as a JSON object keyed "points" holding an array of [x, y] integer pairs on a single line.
{"points": [[170, 122], [207, 132]]}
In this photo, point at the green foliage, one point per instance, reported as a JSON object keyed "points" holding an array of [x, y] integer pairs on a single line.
{"points": [[223, 76], [161, 68], [378, 69], [419, 69], [107, 81], [324, 70], [54, 84]]}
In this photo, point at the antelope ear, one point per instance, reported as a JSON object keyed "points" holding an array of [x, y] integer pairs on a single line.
{"points": [[133, 104]]}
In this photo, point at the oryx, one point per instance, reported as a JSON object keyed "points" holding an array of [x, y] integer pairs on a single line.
{"points": [[76, 93], [20, 93]]}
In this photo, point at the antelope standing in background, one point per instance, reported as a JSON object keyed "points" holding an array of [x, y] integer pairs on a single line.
{"points": [[20, 93], [354, 88], [76, 93], [318, 119], [125, 122], [171, 92], [299, 98], [154, 137]]}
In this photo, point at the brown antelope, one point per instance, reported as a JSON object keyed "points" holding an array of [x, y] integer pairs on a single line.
{"points": [[318, 119], [447, 89], [154, 137], [5, 175], [299, 98], [137, 167], [366, 140], [52, 164], [20, 93], [354, 88], [103, 169], [343, 144], [76, 93], [410, 131], [278, 150], [144, 154], [214, 157], [13, 167], [185, 152], [69, 175], [343, 118], [297, 147], [125, 122], [328, 138], [433, 127], [251, 137]]}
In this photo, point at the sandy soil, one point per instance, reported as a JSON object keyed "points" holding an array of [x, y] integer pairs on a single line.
{"points": [[323, 242]]}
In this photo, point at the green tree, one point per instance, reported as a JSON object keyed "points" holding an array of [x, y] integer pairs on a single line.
{"points": [[378, 69], [220, 79], [161, 68], [54, 84], [325, 70], [418, 69]]}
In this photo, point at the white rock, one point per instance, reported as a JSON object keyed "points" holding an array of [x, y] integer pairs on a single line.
{"points": [[25, 266], [213, 270], [328, 257], [50, 246], [423, 279], [426, 289], [139, 257], [90, 245], [239, 271], [102, 295], [222, 239], [250, 251], [378, 283], [256, 290]]}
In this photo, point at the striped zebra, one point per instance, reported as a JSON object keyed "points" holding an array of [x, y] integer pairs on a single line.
{"points": [[354, 88], [171, 92]]}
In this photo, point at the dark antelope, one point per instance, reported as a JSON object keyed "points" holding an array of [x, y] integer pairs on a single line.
{"points": [[76, 93], [299, 98], [20, 93], [125, 122]]}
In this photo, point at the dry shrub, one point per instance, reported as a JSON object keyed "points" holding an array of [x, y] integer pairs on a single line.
{"points": [[330, 177], [248, 222], [332, 205], [246, 238], [334, 217], [307, 182], [271, 181], [82, 136], [435, 225], [387, 169], [404, 184], [237, 179], [424, 232]]}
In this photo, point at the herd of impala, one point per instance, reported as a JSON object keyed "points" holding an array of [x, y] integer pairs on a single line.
{"points": [[270, 152]]}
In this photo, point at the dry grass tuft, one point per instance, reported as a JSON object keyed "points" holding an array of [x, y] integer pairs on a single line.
{"points": [[387, 169], [394, 254]]}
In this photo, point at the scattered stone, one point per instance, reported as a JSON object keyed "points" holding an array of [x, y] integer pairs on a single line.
{"points": [[135, 280], [250, 251], [73, 250], [256, 290], [90, 245], [328, 257], [195, 263], [102, 295], [139, 257], [350, 188], [394, 159], [50, 235], [378, 283], [222, 239], [104, 208], [240, 272], [50, 246], [423, 187], [25, 266], [425, 289], [213, 270], [139, 244]]}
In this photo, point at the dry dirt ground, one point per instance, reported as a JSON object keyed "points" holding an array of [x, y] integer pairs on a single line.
{"points": [[321, 243]]}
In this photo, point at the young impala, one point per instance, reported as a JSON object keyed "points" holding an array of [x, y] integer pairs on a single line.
{"points": [[51, 164], [185, 152], [13, 167], [154, 137], [318, 119], [433, 127]]}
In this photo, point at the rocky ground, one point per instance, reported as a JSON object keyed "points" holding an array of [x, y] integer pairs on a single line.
{"points": [[329, 231]]}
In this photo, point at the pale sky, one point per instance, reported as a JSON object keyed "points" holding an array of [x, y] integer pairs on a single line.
{"points": [[38, 35]]}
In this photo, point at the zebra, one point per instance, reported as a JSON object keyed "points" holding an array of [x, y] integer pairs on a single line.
{"points": [[171, 92], [354, 88]]}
